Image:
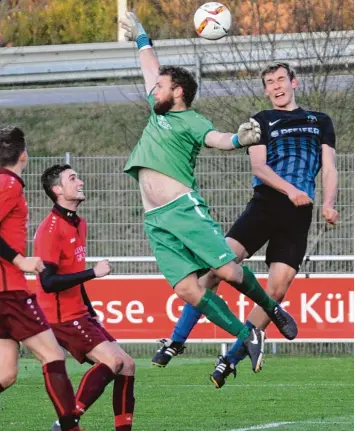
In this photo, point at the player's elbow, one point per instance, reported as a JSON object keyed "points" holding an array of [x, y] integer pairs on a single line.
{"points": [[48, 288], [47, 284], [47, 278]]}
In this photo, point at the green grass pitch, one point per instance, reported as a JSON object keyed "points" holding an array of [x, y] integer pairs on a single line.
{"points": [[291, 393]]}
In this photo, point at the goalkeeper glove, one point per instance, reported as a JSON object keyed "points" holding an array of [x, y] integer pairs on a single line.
{"points": [[135, 31], [248, 134]]}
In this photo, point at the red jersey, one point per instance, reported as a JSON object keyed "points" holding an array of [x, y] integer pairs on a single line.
{"points": [[61, 240], [13, 228]]}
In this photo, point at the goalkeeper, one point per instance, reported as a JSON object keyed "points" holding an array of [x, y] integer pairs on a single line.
{"points": [[185, 240]]}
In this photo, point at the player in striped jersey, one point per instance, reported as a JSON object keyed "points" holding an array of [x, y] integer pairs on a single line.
{"points": [[295, 144]]}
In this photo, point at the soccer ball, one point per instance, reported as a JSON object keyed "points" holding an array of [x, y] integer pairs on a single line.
{"points": [[212, 21]]}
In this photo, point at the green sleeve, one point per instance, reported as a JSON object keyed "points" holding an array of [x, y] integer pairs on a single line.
{"points": [[200, 126]]}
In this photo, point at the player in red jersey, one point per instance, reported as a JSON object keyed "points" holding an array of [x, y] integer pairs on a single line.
{"points": [[21, 318], [60, 241]]}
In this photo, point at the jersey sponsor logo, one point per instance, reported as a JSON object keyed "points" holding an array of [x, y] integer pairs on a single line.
{"points": [[271, 123], [80, 253], [312, 130], [163, 122]]}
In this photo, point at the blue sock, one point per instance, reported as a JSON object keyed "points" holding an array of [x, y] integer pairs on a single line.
{"points": [[232, 355], [188, 319]]}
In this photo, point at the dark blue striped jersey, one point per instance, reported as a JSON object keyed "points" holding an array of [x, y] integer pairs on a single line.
{"points": [[293, 141]]}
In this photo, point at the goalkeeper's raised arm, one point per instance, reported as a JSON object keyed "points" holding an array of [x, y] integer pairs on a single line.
{"points": [[134, 31]]}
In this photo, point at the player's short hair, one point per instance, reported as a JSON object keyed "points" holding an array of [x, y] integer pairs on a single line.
{"points": [[51, 178], [12, 145], [181, 78], [273, 66]]}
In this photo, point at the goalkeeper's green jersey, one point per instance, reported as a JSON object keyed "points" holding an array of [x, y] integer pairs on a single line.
{"points": [[170, 144]]}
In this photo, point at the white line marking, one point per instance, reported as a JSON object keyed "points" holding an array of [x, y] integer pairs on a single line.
{"points": [[265, 426], [281, 424]]}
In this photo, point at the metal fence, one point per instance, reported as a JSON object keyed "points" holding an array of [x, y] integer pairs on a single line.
{"points": [[114, 211], [68, 62]]}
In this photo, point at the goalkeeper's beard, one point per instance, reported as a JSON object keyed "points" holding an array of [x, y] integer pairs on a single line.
{"points": [[161, 108]]}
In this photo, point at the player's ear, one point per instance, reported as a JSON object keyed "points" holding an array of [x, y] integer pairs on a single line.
{"points": [[294, 83], [23, 157], [179, 92], [57, 190]]}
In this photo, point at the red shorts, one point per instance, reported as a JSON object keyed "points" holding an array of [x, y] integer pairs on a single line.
{"points": [[80, 336], [20, 315]]}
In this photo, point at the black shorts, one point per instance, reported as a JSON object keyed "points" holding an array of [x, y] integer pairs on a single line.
{"points": [[271, 216]]}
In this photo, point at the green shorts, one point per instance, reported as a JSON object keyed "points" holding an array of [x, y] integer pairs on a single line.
{"points": [[185, 239]]}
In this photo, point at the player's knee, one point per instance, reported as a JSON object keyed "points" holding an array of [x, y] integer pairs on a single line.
{"points": [[51, 355], [116, 364], [129, 367], [234, 275], [212, 281], [188, 293], [230, 273], [8, 378]]}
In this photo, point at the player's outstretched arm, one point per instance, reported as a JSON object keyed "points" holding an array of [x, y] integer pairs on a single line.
{"points": [[221, 141], [248, 134], [134, 31]]}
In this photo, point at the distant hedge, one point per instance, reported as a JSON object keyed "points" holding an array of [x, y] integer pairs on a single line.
{"points": [[47, 22]]}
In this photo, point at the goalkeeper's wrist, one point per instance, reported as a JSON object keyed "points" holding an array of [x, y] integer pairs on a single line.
{"points": [[142, 40], [235, 141]]}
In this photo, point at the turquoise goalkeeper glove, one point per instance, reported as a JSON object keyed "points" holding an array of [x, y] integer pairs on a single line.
{"points": [[134, 30], [248, 134]]}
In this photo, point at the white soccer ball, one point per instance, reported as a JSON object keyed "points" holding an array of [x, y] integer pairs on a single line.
{"points": [[212, 21]]}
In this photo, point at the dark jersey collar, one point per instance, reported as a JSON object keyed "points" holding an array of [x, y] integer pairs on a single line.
{"points": [[12, 174], [68, 215], [298, 109]]}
